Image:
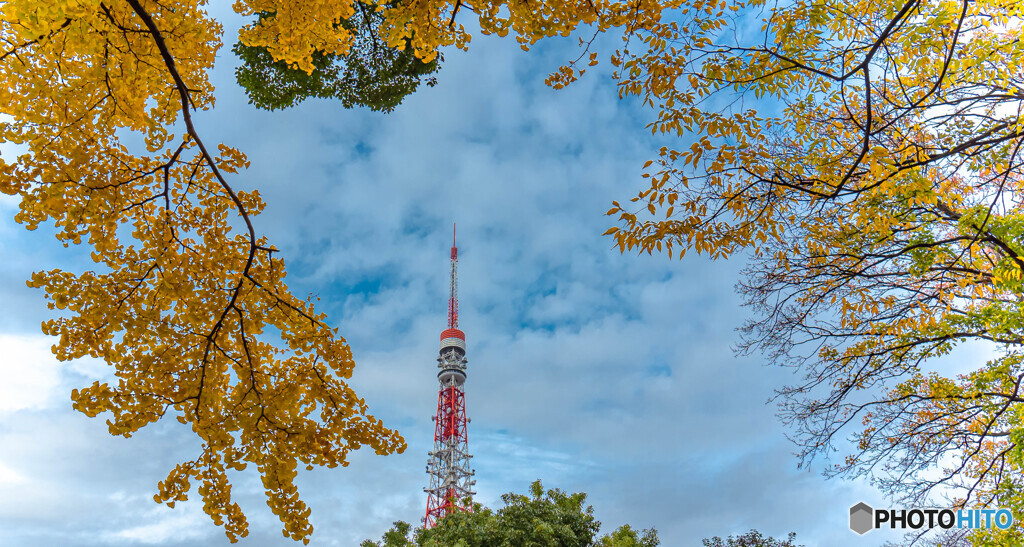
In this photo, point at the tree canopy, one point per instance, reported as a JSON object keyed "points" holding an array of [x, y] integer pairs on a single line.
{"points": [[183, 304], [866, 157], [544, 518], [752, 538], [372, 74]]}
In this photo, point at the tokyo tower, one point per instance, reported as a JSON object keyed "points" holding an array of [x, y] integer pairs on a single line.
{"points": [[448, 466]]}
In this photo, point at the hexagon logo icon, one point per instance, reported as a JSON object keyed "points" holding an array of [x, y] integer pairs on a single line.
{"points": [[861, 518]]}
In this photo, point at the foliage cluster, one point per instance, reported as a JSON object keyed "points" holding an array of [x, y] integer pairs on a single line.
{"points": [[371, 74], [866, 157], [752, 538], [545, 518]]}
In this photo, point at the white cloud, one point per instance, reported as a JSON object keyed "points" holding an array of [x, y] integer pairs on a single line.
{"points": [[33, 378], [166, 525], [29, 371], [9, 476]]}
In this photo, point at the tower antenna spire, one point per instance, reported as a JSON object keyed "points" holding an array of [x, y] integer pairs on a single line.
{"points": [[451, 479], [453, 286]]}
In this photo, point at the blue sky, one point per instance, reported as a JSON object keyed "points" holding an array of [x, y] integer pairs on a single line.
{"points": [[594, 371]]}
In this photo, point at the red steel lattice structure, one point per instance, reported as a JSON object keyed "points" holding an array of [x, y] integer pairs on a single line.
{"points": [[448, 467]]}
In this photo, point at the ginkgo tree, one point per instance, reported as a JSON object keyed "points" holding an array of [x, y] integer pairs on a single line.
{"points": [[179, 299], [187, 301], [866, 157]]}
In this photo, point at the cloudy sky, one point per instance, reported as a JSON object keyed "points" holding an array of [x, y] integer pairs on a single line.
{"points": [[594, 371]]}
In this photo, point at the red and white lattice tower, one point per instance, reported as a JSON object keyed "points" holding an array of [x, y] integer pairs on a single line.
{"points": [[450, 476]]}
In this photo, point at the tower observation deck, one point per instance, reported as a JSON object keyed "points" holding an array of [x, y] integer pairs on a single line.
{"points": [[451, 479]]}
